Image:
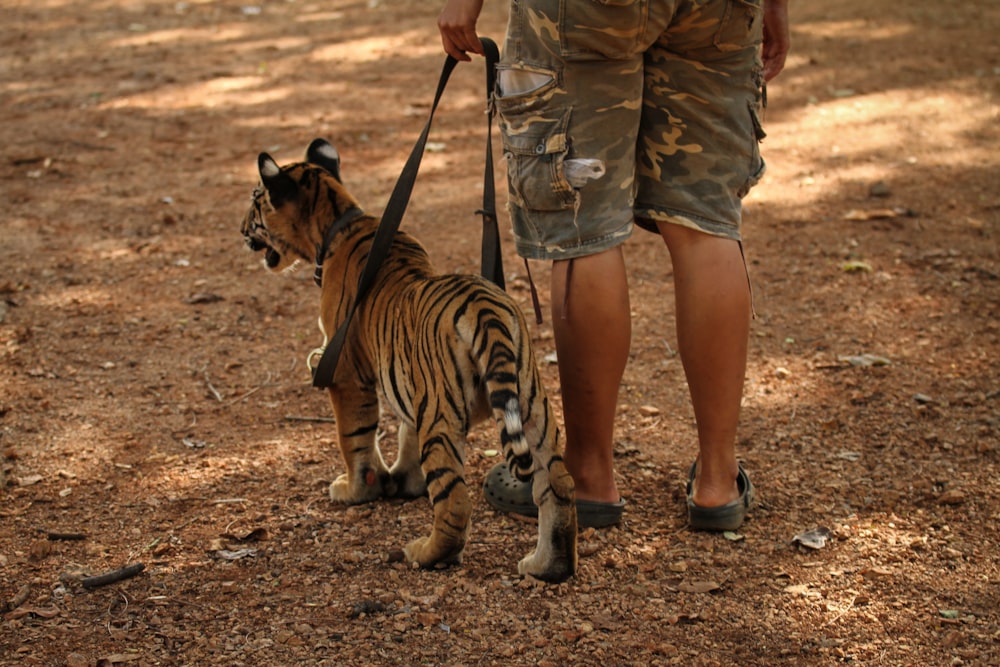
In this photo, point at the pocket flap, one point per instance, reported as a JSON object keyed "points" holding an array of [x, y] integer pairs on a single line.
{"points": [[536, 135]]}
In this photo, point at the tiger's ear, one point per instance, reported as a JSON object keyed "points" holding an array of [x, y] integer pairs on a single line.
{"points": [[322, 153], [279, 185]]}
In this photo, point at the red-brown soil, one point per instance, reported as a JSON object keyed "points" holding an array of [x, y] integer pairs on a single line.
{"points": [[154, 398]]}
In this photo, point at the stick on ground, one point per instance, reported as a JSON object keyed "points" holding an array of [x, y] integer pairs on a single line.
{"points": [[112, 577]]}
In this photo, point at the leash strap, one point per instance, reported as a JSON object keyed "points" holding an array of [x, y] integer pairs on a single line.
{"points": [[396, 207], [492, 263]]}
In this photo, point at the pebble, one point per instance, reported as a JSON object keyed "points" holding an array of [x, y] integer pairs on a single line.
{"points": [[952, 497], [879, 189]]}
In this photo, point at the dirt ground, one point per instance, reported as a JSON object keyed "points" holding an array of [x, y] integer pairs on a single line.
{"points": [[155, 406]]}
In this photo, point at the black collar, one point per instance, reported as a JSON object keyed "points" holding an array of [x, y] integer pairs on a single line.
{"points": [[346, 218]]}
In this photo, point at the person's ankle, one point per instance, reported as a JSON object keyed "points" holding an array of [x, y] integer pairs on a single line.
{"points": [[593, 478], [714, 488], [602, 493]]}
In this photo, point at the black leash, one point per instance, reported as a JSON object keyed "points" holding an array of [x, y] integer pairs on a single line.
{"points": [[492, 266]]}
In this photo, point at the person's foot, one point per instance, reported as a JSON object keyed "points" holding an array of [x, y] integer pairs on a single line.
{"points": [[728, 516], [508, 494]]}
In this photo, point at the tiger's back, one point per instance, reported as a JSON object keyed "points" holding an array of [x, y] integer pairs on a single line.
{"points": [[444, 352]]}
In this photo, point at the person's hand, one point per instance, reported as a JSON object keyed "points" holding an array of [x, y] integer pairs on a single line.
{"points": [[776, 39], [457, 23]]}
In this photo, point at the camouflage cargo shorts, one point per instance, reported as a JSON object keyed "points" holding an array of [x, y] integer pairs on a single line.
{"points": [[623, 112]]}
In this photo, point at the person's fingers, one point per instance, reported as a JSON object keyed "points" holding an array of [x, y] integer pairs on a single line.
{"points": [[453, 49], [773, 64], [776, 38], [774, 55], [459, 43], [457, 24]]}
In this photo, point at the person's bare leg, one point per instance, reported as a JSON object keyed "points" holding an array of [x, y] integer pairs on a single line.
{"points": [[593, 331], [713, 326]]}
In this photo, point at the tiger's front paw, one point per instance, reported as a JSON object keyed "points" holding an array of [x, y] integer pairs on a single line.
{"points": [[353, 492]]}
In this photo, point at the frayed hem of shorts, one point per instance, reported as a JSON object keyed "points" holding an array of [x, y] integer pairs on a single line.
{"points": [[582, 249], [713, 227]]}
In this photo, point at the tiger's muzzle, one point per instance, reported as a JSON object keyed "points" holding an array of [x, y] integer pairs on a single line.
{"points": [[271, 256]]}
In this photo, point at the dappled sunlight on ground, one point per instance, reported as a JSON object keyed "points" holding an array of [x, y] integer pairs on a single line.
{"points": [[155, 401]]}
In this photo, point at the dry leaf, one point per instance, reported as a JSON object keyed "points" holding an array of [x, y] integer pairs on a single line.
{"points": [[698, 586], [428, 619], [865, 359], [875, 214], [855, 266], [40, 612], [255, 535], [804, 590], [871, 572], [200, 298], [117, 659], [813, 539], [29, 480]]}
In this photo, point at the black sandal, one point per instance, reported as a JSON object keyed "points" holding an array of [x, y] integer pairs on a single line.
{"points": [[724, 517], [507, 493]]}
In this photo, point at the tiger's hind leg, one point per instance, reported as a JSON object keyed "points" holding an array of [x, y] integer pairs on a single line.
{"points": [[554, 558], [406, 474], [357, 416], [443, 467]]}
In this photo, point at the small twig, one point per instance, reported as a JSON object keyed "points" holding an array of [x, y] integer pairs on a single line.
{"points": [[165, 598], [843, 612], [112, 577], [186, 523], [652, 426], [297, 418], [212, 389], [249, 393], [227, 501], [64, 537], [263, 384], [111, 608]]}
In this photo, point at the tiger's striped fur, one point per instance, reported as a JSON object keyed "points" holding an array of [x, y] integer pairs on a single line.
{"points": [[444, 352]]}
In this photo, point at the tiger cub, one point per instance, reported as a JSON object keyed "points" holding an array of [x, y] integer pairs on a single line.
{"points": [[443, 351]]}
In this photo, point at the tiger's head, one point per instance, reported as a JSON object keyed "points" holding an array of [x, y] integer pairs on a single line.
{"points": [[293, 207]]}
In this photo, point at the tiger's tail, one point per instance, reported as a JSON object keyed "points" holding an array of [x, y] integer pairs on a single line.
{"points": [[510, 390], [515, 443]]}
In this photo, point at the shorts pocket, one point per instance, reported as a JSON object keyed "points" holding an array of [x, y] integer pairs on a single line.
{"points": [[756, 167], [741, 25], [535, 148], [600, 29]]}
